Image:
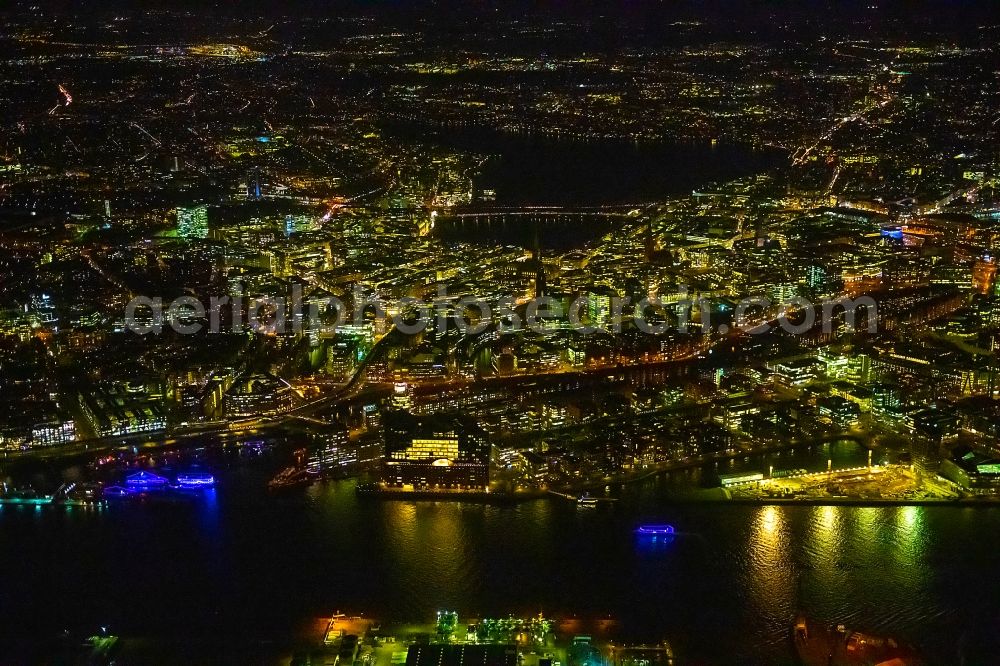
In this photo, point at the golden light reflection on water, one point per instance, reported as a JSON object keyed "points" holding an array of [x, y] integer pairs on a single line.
{"points": [[911, 537], [426, 538], [828, 518], [853, 551], [772, 576], [769, 522], [868, 524], [825, 535], [402, 519], [824, 549], [909, 519]]}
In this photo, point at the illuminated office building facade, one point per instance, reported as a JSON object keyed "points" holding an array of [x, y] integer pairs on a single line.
{"points": [[436, 452]]}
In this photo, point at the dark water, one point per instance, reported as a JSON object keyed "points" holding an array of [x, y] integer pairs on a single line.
{"points": [[540, 170], [241, 563]]}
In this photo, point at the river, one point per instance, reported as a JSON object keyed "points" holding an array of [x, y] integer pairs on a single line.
{"points": [[243, 564]]}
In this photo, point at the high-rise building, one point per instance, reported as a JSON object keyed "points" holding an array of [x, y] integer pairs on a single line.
{"points": [[254, 185], [599, 306], [192, 222], [817, 277], [402, 396]]}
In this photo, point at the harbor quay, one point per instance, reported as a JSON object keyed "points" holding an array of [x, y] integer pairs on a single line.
{"points": [[451, 640]]}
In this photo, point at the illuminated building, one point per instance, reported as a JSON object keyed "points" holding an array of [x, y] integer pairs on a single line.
{"points": [[971, 470], [402, 396], [599, 310], [951, 275], [337, 455], [859, 395], [423, 365], [782, 293], [987, 309], [296, 224], [372, 417], [254, 185], [289, 259], [123, 409], [796, 372], [739, 478], [256, 395], [933, 423], [42, 310], [342, 356], [817, 277], [870, 220], [54, 433], [435, 452], [192, 222], [839, 410], [861, 279], [214, 392]]}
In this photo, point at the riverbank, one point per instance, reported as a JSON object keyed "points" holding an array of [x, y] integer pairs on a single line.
{"points": [[444, 495], [840, 501], [707, 496]]}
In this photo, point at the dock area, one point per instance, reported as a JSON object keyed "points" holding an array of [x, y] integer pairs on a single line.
{"points": [[820, 645], [355, 640], [889, 483]]}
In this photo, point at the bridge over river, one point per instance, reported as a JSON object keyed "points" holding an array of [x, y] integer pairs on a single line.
{"points": [[550, 227]]}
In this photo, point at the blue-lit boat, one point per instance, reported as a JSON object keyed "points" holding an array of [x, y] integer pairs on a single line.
{"points": [[195, 480], [655, 530]]}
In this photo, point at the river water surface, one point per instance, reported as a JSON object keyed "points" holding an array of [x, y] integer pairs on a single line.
{"points": [[242, 563]]}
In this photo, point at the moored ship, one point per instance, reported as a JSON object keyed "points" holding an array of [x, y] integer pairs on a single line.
{"points": [[291, 477]]}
